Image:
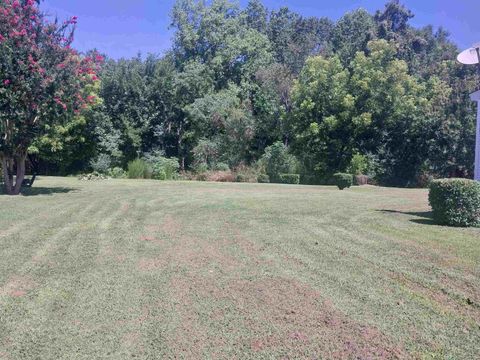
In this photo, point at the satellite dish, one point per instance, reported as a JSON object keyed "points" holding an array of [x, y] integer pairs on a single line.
{"points": [[470, 56]]}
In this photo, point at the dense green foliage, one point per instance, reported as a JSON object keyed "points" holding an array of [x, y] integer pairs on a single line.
{"points": [[289, 178], [368, 94], [359, 165], [342, 180], [151, 166], [139, 169], [263, 179], [162, 168], [102, 164], [277, 160], [455, 202], [117, 173]]}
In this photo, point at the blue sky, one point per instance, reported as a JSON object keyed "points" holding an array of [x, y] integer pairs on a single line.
{"points": [[123, 28]]}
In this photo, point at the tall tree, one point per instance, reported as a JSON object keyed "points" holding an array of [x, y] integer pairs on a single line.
{"points": [[375, 108], [256, 16], [352, 33], [322, 116], [294, 37], [44, 83]]}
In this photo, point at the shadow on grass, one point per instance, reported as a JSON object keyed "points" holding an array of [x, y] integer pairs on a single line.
{"points": [[425, 217], [35, 191]]}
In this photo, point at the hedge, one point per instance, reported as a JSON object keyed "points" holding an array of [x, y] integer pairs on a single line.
{"points": [[455, 202]]}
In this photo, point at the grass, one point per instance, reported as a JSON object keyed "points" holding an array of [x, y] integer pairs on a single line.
{"points": [[124, 269]]}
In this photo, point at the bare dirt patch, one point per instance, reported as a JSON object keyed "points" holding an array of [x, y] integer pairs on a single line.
{"points": [[147, 238], [17, 286], [189, 337], [305, 324], [282, 315], [170, 226], [132, 340], [151, 264], [199, 254], [248, 247], [153, 228], [12, 230]]}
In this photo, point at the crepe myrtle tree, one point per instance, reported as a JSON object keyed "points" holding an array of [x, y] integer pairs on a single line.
{"points": [[44, 83]]}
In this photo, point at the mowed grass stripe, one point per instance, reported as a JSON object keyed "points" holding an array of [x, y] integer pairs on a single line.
{"points": [[343, 261], [56, 271], [198, 270]]}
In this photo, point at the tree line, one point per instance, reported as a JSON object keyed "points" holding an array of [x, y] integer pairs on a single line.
{"points": [[368, 93]]}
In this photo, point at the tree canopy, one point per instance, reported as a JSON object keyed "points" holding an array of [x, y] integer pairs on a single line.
{"points": [[239, 80], [45, 85]]}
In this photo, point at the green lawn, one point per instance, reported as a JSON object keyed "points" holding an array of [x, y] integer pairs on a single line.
{"points": [[125, 269]]}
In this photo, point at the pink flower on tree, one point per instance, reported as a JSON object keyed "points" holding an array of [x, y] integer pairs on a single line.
{"points": [[60, 102], [43, 63], [91, 99]]}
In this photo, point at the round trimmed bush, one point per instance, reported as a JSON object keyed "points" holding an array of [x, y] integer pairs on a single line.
{"points": [[455, 202], [343, 180]]}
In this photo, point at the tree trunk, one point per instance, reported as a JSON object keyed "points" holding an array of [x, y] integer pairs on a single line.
{"points": [[8, 164]]}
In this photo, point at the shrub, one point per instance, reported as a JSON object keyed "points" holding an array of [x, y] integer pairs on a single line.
{"points": [[424, 179], [242, 178], [117, 173], [186, 176], [277, 160], [159, 174], [101, 164], [200, 168], [455, 202], [202, 177], [361, 180], [343, 180], [163, 168], [290, 179], [220, 176], [222, 167], [263, 179], [139, 169], [171, 166], [205, 155], [358, 165], [307, 179], [94, 176], [246, 173]]}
